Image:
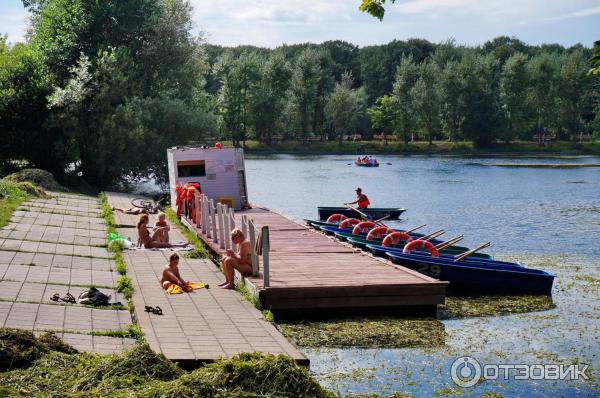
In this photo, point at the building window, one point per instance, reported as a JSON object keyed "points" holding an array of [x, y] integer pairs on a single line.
{"points": [[191, 168]]}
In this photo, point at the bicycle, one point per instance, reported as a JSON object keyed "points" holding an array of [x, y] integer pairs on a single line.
{"points": [[151, 206]]}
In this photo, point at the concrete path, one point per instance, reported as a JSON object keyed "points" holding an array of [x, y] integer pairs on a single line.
{"points": [[199, 326], [54, 246]]}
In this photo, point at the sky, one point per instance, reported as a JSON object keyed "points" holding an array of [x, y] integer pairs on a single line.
{"points": [[270, 23]]}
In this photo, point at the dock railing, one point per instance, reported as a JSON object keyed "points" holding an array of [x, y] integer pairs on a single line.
{"points": [[216, 222]]}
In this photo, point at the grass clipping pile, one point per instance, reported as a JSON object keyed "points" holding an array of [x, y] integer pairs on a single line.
{"points": [[52, 370], [38, 177]]}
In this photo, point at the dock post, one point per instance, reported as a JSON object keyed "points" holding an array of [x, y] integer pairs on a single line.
{"points": [[265, 254], [245, 226], [231, 219], [205, 212], [252, 237], [198, 209], [213, 224], [227, 227], [221, 226]]}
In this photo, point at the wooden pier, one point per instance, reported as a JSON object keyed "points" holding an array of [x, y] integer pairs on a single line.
{"points": [[307, 270]]}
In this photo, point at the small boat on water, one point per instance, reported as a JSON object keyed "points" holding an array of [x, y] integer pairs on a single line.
{"points": [[391, 213], [476, 276], [370, 163]]}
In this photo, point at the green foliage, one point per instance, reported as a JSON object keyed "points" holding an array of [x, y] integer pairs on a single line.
{"points": [[374, 7], [11, 197], [19, 348], [140, 372], [125, 286], [200, 250], [344, 107]]}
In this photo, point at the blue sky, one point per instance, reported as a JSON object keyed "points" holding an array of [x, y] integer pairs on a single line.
{"points": [[270, 23]]}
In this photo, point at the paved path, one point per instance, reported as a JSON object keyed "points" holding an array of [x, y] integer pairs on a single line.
{"points": [[199, 326], [53, 246]]}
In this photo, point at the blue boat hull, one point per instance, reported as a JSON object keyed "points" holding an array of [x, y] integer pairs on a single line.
{"points": [[467, 278]]}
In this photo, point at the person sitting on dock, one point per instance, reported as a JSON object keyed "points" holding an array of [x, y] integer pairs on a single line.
{"points": [[171, 275], [152, 242], [361, 199], [162, 225], [240, 260]]}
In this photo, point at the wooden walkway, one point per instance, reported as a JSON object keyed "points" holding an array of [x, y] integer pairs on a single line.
{"points": [[309, 270], [203, 325]]}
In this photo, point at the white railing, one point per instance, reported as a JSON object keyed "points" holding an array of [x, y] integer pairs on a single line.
{"points": [[217, 222]]}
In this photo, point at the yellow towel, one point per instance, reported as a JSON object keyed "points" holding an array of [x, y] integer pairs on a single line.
{"points": [[175, 289]]}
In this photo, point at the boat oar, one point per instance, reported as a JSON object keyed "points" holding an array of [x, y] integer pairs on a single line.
{"points": [[378, 222], [449, 242], [415, 228], [462, 256], [432, 235], [358, 211]]}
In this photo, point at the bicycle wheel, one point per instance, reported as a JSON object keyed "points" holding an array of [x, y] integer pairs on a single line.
{"points": [[142, 203]]}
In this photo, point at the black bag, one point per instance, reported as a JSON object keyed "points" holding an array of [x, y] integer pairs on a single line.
{"points": [[93, 297]]}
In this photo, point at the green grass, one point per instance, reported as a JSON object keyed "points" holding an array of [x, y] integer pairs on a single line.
{"points": [[199, 250], [125, 286], [49, 370], [254, 300], [133, 331], [11, 197]]}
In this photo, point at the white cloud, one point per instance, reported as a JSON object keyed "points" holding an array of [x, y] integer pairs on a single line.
{"points": [[576, 14]]}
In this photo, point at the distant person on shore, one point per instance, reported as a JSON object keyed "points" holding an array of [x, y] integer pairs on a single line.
{"points": [[171, 275], [130, 210], [241, 259], [152, 241], [361, 199], [162, 225]]}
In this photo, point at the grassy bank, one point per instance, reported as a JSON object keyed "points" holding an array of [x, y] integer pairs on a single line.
{"points": [[36, 367], [420, 148]]}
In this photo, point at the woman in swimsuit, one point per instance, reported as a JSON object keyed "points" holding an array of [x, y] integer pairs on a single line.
{"points": [[152, 241]]}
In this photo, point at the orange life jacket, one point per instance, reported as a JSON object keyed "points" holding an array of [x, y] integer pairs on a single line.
{"points": [[363, 204]]}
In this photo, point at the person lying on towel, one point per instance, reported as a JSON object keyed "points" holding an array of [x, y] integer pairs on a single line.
{"points": [[171, 276]]}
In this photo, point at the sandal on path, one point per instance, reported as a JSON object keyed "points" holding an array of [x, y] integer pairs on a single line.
{"points": [[55, 297], [157, 310], [147, 308], [69, 299]]}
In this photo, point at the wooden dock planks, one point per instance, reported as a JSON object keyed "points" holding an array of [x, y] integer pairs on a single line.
{"points": [[309, 270]]}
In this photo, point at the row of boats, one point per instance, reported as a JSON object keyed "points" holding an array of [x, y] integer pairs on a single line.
{"points": [[468, 270]]}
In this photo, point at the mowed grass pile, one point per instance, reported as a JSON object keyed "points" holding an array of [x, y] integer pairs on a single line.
{"points": [[140, 372], [12, 194]]}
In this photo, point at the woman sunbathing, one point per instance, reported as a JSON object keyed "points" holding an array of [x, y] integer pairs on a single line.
{"points": [[240, 260], [152, 241], [130, 210]]}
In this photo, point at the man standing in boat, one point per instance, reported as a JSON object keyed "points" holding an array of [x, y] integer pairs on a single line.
{"points": [[361, 200]]}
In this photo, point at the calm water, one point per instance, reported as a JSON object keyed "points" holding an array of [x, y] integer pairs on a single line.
{"points": [[517, 209], [545, 218]]}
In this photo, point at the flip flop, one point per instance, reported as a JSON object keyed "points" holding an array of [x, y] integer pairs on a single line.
{"points": [[69, 299], [147, 308], [157, 310], [55, 297]]}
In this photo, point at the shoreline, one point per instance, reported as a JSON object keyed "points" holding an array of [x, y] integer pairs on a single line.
{"points": [[461, 148]]}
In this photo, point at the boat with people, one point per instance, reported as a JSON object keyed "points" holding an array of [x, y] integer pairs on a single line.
{"points": [[366, 161], [391, 213]]}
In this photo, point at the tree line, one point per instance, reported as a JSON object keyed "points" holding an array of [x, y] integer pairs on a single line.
{"points": [[100, 89]]}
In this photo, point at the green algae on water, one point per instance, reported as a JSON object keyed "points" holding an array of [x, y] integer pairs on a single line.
{"points": [[372, 332]]}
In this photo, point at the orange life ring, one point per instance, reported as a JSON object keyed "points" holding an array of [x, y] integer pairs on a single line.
{"points": [[336, 218], [395, 237], [378, 233], [362, 227], [419, 243], [349, 223]]}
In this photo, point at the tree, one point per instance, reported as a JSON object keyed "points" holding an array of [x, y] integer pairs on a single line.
{"points": [[514, 81], [572, 91], [303, 92], [343, 106], [450, 91], [407, 75], [374, 7], [267, 100], [383, 116], [425, 100], [542, 70]]}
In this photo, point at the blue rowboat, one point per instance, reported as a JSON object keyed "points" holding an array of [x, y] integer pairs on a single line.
{"points": [[378, 250], [392, 213], [478, 276]]}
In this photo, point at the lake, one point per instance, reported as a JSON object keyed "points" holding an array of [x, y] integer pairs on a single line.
{"points": [[547, 218]]}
